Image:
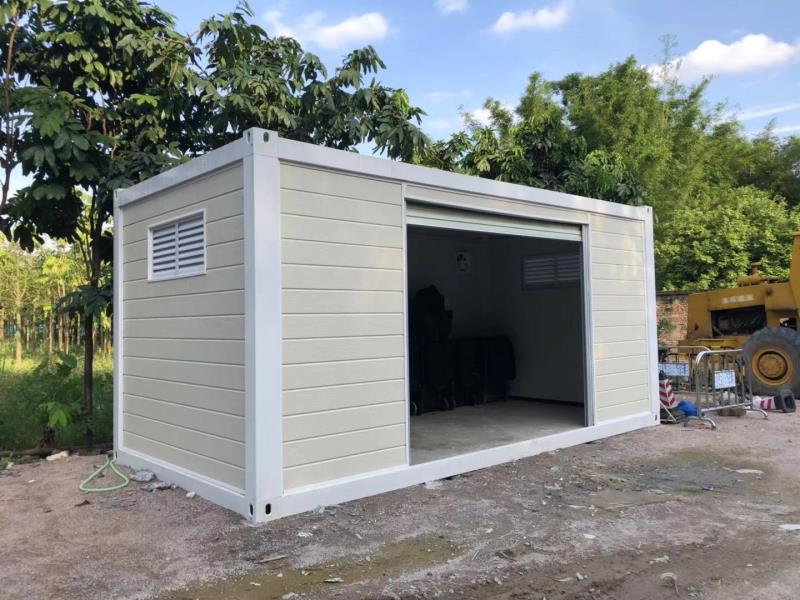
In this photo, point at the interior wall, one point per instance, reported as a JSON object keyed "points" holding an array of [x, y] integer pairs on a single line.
{"points": [[545, 325]]}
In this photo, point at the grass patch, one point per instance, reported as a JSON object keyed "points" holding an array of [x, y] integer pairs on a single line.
{"points": [[43, 396]]}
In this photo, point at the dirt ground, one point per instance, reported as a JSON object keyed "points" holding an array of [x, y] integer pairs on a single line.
{"points": [[604, 520]]}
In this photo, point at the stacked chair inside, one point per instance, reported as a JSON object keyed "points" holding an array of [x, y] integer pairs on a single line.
{"points": [[449, 372]]}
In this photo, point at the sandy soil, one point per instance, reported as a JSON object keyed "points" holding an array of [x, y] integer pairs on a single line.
{"points": [[600, 521]]}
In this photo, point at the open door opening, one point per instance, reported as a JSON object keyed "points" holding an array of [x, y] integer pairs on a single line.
{"points": [[496, 338]]}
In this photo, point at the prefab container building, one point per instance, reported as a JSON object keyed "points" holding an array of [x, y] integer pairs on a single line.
{"points": [[298, 326]]}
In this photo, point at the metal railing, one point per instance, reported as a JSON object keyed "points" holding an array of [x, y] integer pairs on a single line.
{"points": [[721, 382], [676, 362]]}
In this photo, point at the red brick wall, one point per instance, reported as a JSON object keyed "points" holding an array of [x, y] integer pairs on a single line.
{"points": [[671, 309]]}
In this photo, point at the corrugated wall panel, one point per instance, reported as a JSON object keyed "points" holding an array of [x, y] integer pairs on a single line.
{"points": [[183, 339], [343, 325], [619, 317]]}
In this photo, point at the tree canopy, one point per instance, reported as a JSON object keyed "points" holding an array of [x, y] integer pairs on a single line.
{"points": [[722, 200]]}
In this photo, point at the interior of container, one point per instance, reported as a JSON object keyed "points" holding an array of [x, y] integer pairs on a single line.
{"points": [[496, 340]]}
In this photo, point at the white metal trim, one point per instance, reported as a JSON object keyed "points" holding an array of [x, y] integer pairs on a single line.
{"points": [[117, 324], [588, 331], [652, 313], [406, 353], [210, 489], [330, 158], [177, 275], [197, 167], [263, 325], [299, 500]]}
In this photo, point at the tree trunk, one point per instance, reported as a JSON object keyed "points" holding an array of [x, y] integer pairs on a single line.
{"points": [[2, 324], [18, 337], [51, 331], [88, 392]]}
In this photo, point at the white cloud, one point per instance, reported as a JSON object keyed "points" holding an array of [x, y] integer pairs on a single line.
{"points": [[787, 129], [441, 96], [753, 52], [311, 27], [482, 116], [758, 112], [544, 18], [451, 6]]}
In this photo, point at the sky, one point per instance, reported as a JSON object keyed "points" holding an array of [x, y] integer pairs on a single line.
{"points": [[451, 54]]}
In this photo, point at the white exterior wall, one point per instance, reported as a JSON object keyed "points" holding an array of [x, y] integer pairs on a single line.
{"points": [[343, 325], [183, 339]]}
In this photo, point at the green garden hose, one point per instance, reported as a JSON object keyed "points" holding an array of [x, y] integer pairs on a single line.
{"points": [[109, 464]]}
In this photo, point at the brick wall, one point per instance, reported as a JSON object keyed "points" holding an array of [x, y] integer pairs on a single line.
{"points": [[671, 308]]}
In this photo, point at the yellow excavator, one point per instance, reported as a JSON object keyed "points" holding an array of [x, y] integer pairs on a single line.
{"points": [[760, 317]]}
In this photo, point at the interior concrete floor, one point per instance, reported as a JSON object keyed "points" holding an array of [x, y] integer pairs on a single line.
{"points": [[440, 434]]}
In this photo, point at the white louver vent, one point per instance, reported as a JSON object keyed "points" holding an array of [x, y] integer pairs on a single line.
{"points": [[551, 270], [178, 249]]}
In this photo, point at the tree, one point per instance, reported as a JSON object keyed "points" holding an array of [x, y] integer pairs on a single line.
{"points": [[113, 95], [18, 276], [710, 246], [98, 121], [535, 145], [247, 78]]}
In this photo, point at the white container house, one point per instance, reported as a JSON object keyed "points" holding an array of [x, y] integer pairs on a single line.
{"points": [[261, 319]]}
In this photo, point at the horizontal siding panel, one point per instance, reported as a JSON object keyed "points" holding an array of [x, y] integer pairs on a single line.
{"points": [[611, 366], [340, 278], [342, 421], [600, 303], [221, 255], [210, 446], [617, 257], [627, 272], [217, 375], [343, 232], [206, 187], [615, 241], [636, 393], [344, 467], [318, 449], [630, 378], [609, 224], [202, 328], [619, 334], [319, 181], [225, 352], [227, 474], [341, 372], [192, 305], [225, 206], [325, 326], [341, 301], [345, 396], [609, 287], [353, 348], [623, 410], [340, 255], [464, 201], [620, 349], [218, 280], [614, 318], [331, 207], [214, 423], [216, 399]]}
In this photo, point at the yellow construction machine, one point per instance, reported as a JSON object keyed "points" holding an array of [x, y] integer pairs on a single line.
{"points": [[760, 317]]}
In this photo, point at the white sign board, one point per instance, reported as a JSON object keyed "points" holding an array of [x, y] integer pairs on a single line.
{"points": [[724, 380], [674, 369]]}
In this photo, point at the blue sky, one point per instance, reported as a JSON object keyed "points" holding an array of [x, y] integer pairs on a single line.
{"points": [[454, 53], [451, 54]]}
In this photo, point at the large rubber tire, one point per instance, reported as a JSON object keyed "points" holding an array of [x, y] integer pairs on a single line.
{"points": [[772, 358]]}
